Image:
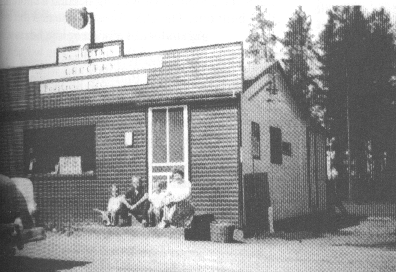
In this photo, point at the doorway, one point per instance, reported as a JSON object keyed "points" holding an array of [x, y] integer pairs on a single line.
{"points": [[167, 144]]}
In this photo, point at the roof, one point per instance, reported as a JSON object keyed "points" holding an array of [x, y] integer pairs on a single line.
{"points": [[252, 70]]}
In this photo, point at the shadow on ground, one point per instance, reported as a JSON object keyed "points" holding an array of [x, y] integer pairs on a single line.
{"points": [[383, 245], [315, 226], [22, 264]]}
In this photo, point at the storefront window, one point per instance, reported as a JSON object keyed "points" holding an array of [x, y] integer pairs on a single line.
{"points": [[60, 151]]}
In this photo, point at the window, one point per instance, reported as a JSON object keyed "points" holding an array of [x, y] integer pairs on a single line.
{"points": [[61, 150], [276, 145], [168, 135], [286, 149], [255, 140]]}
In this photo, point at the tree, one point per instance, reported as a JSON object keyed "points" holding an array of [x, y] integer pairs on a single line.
{"points": [[358, 56], [380, 115], [300, 60], [260, 38]]}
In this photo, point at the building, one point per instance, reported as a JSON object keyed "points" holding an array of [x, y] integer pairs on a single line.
{"points": [[284, 156], [97, 117]]}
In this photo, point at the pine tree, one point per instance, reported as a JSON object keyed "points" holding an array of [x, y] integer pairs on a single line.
{"points": [[358, 58], [260, 38], [300, 59], [377, 101]]}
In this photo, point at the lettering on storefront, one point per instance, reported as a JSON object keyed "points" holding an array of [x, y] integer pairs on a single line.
{"points": [[94, 83], [81, 54], [96, 68]]}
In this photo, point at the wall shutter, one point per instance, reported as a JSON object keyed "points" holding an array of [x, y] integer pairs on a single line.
{"points": [[276, 145]]}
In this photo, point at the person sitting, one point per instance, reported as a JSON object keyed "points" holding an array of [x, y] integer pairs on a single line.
{"points": [[110, 216], [178, 211], [156, 205], [136, 203]]}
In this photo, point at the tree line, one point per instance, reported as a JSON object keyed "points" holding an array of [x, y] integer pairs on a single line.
{"points": [[345, 82]]}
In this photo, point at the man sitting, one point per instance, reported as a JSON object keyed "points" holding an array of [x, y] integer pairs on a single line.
{"points": [[136, 203]]}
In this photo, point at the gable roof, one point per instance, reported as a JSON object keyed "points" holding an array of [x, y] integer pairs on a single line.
{"points": [[254, 71]]}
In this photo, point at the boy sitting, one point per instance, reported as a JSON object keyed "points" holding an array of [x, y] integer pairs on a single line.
{"points": [[113, 207], [156, 204]]}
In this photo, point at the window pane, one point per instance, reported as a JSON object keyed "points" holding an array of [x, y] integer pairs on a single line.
{"points": [[159, 136], [176, 135]]}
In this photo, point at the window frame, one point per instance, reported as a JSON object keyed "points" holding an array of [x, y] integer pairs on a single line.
{"points": [[151, 164]]}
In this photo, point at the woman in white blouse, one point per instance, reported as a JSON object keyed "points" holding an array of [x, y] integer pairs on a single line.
{"points": [[178, 210]]}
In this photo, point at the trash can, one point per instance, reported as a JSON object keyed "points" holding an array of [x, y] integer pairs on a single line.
{"points": [[221, 232]]}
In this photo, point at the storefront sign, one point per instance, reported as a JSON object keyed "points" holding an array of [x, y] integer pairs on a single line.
{"points": [[82, 54], [93, 83], [96, 68]]}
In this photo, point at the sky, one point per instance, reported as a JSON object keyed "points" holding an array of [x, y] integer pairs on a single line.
{"points": [[32, 30]]}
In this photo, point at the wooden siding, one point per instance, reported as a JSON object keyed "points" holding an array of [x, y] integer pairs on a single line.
{"points": [[288, 181], [214, 161], [14, 89], [210, 71], [73, 198]]}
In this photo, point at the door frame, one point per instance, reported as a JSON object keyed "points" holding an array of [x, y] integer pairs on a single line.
{"points": [[150, 163]]}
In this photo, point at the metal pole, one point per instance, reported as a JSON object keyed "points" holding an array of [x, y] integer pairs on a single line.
{"points": [[92, 23]]}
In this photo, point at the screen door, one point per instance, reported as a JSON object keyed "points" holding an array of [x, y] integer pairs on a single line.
{"points": [[167, 144]]}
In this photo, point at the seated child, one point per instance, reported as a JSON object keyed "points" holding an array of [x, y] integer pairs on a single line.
{"points": [[113, 207], [156, 204]]}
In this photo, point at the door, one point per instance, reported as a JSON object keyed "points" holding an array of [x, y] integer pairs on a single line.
{"points": [[256, 201], [167, 144]]}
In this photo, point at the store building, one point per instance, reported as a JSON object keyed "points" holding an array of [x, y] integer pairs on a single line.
{"points": [[97, 117]]}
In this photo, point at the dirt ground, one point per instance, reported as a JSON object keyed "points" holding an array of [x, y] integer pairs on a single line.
{"points": [[368, 246]]}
